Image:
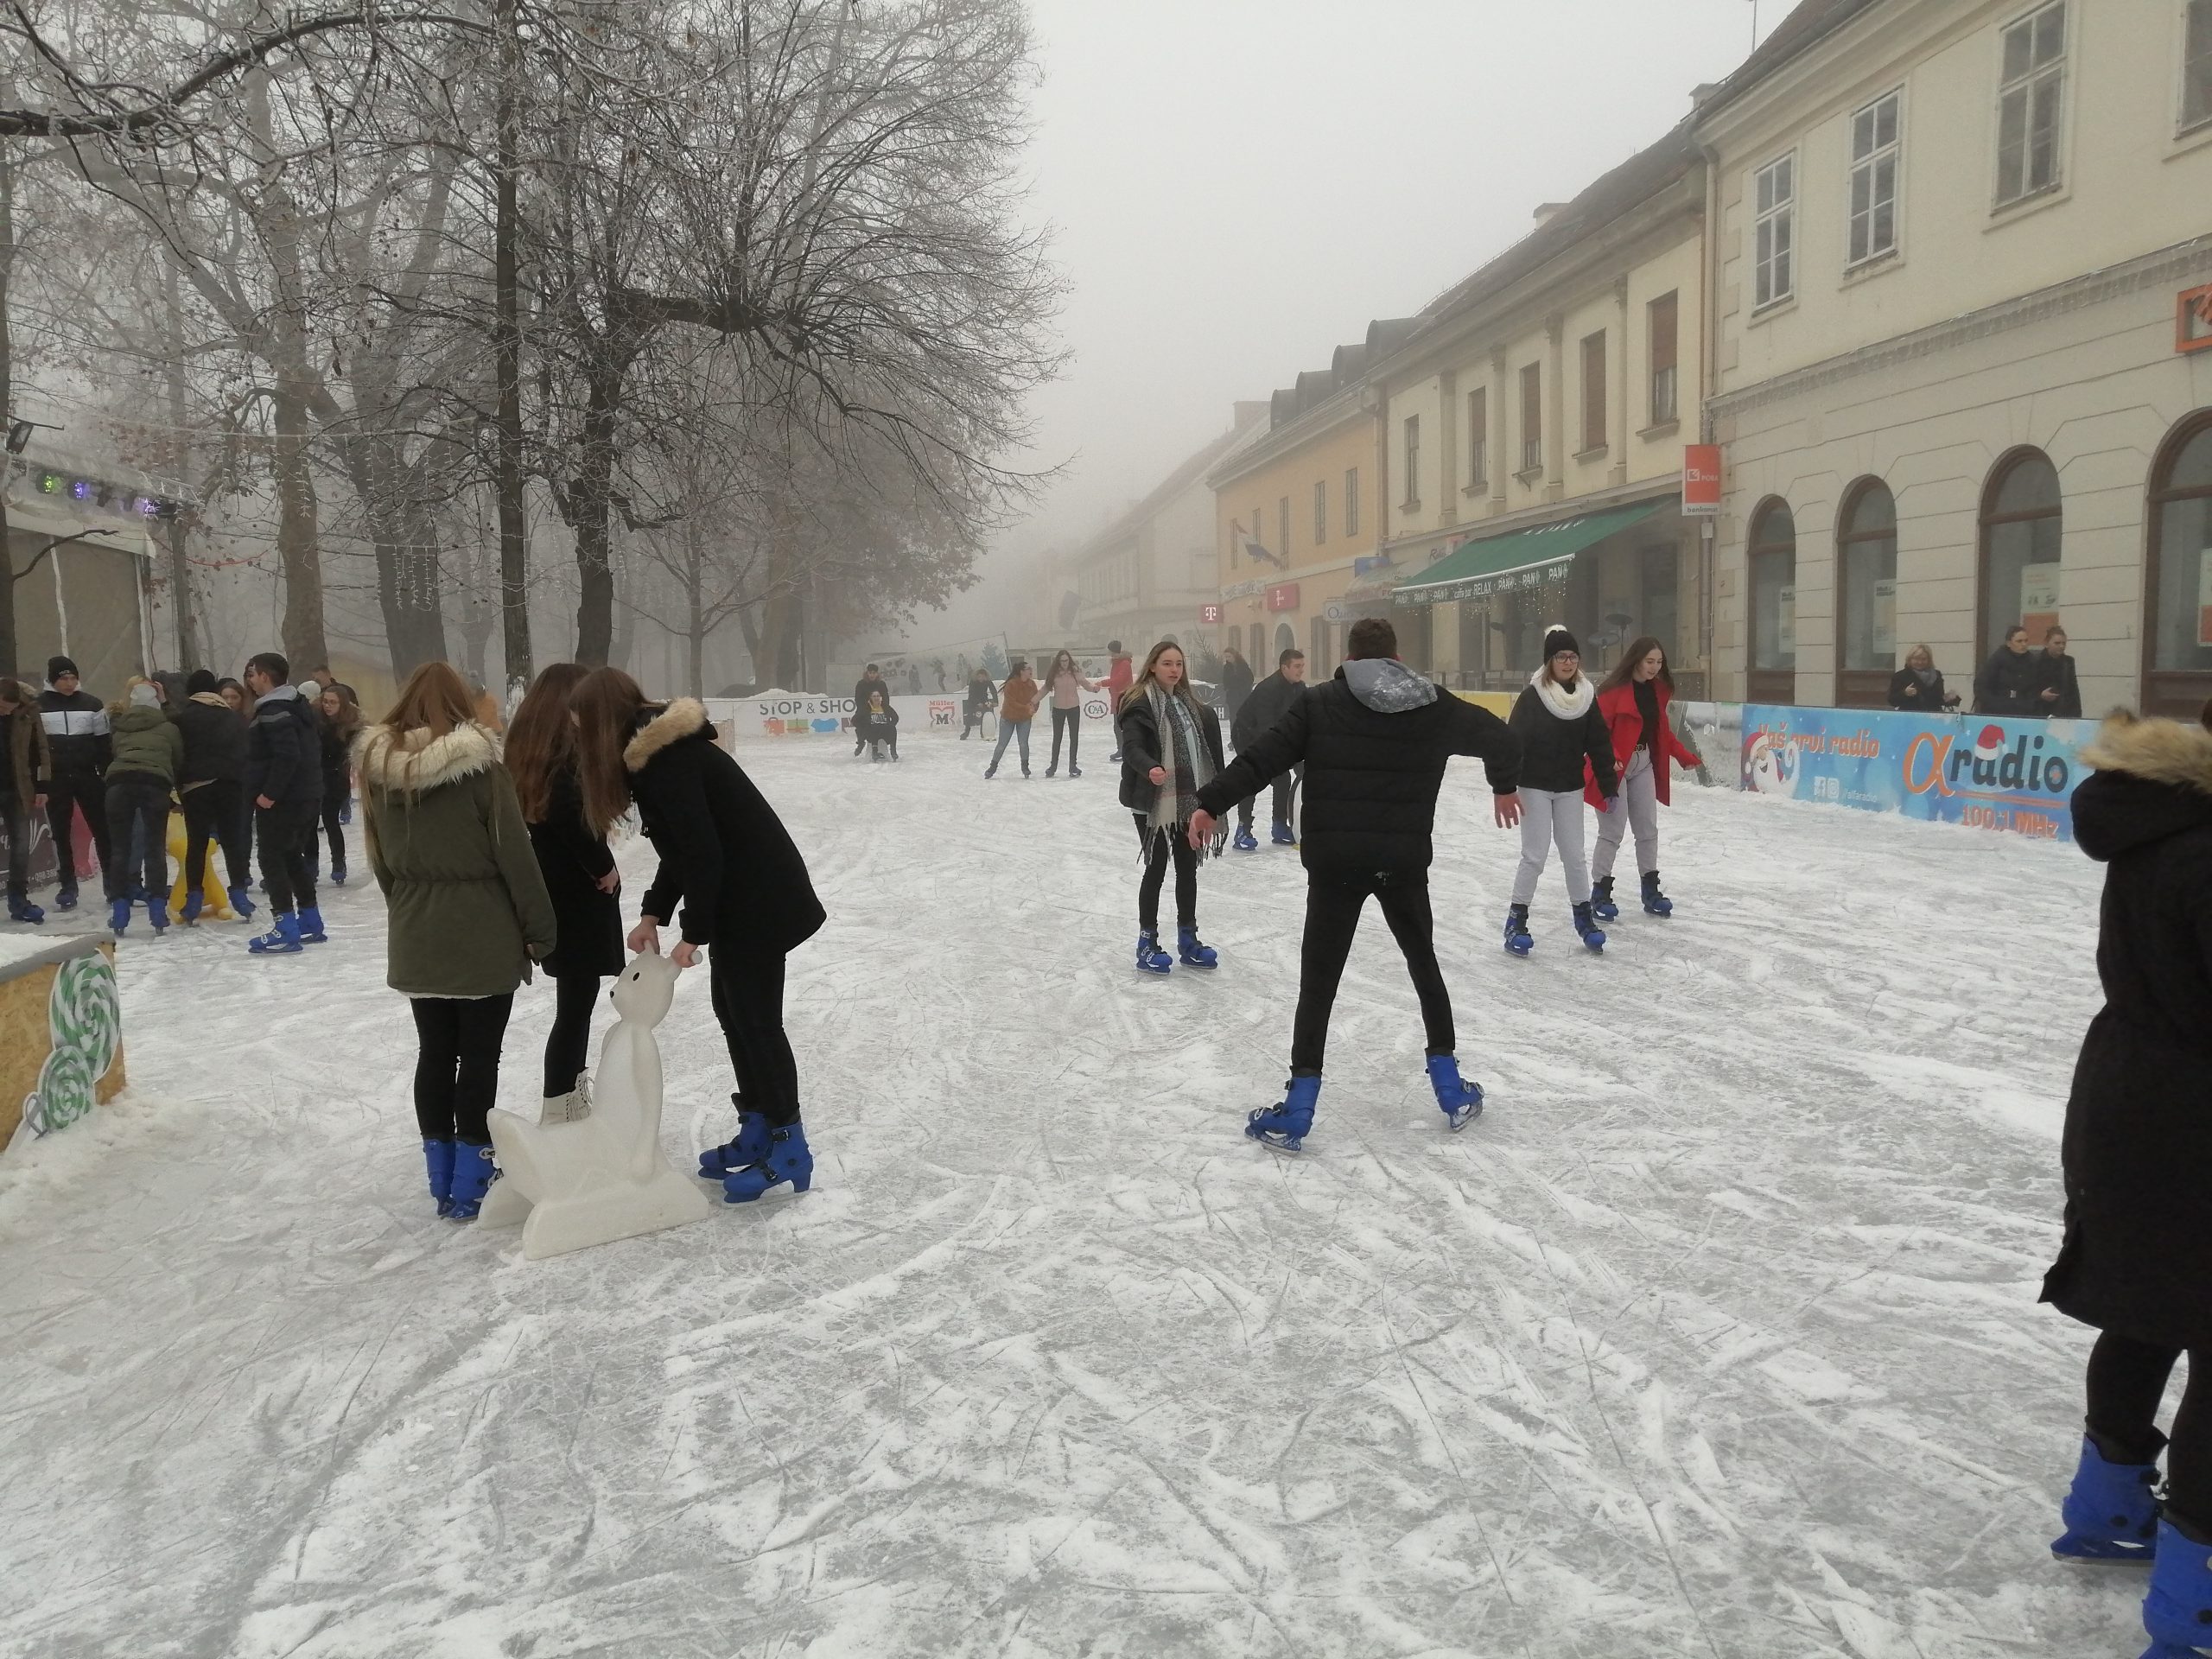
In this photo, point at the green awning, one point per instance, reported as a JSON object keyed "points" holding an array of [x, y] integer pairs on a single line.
{"points": [[1520, 558]]}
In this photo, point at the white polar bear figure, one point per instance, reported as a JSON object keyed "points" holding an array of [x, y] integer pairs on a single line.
{"points": [[603, 1177]]}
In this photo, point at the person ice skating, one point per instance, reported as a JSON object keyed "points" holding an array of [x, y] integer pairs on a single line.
{"points": [[1171, 749], [2058, 687], [747, 901], [24, 766], [1119, 677], [1269, 700], [1236, 684], [77, 735], [982, 697], [1918, 688], [1066, 684], [2009, 680], [580, 878], [1375, 740], [2136, 1261], [147, 759], [342, 724], [870, 682], [877, 727], [468, 913], [1564, 742], [212, 791], [1634, 701], [1017, 706], [283, 779]]}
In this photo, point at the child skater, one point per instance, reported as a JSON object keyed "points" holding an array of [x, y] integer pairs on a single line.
{"points": [[1562, 736]]}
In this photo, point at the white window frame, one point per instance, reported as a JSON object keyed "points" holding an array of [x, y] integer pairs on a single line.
{"points": [[1869, 166], [1781, 211], [2185, 124], [2027, 84]]}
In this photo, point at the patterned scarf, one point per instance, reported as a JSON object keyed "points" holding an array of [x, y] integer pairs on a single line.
{"points": [[1183, 756]]}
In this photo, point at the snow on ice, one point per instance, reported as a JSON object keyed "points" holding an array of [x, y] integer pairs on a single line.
{"points": [[1716, 1335]]}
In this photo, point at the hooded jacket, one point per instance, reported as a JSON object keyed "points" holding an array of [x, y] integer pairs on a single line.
{"points": [[76, 733], [467, 907], [30, 762], [1375, 740], [2138, 1252], [214, 739], [283, 754], [145, 741]]}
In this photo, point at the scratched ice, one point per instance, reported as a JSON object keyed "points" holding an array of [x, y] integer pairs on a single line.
{"points": [[1717, 1336]]}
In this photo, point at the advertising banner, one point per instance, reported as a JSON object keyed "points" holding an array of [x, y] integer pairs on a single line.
{"points": [[1700, 481], [2016, 776]]}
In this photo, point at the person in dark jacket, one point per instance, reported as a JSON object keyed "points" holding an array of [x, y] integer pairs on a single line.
{"points": [[727, 859], [1236, 684], [340, 725], [2136, 1261], [1564, 739], [2058, 688], [1376, 740], [212, 788], [870, 682], [876, 723], [982, 697], [1918, 688], [77, 735], [25, 765], [1269, 702], [146, 756], [580, 875], [1171, 749], [2009, 680], [283, 779]]}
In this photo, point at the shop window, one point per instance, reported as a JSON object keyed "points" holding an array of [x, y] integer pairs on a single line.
{"points": [[1413, 460], [2022, 523], [1664, 318], [1775, 233], [1867, 595], [1773, 560], [2179, 647], [1351, 501], [1593, 392], [1320, 510], [1283, 528], [2196, 66], [2031, 104], [1478, 440], [1532, 418], [1877, 152]]}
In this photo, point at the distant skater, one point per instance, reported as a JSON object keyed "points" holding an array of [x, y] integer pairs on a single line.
{"points": [[1065, 684], [1017, 706], [981, 697], [1267, 702]]}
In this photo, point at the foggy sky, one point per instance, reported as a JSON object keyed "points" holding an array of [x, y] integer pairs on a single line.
{"points": [[1235, 187]]}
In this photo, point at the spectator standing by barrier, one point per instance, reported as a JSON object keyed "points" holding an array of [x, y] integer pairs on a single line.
{"points": [[2009, 681], [1119, 677], [1066, 684], [1171, 748], [1564, 739], [77, 735], [24, 765], [1268, 702], [1017, 706], [148, 756], [213, 791], [2137, 1255], [468, 912], [1236, 684], [2058, 689], [283, 779], [1918, 688], [342, 724], [1634, 701], [982, 697]]}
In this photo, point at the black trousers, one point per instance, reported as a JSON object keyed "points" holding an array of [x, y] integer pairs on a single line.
{"points": [[457, 1064], [65, 799], [567, 1046], [1286, 790], [137, 801], [215, 811], [2128, 1379], [284, 831], [1161, 848], [334, 834], [15, 824], [1332, 908], [1070, 721], [748, 996]]}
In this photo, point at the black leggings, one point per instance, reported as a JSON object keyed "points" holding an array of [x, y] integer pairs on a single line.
{"points": [[1332, 910], [1163, 845], [333, 833], [2128, 1379], [215, 811], [457, 1070], [568, 1047], [1070, 721], [748, 995]]}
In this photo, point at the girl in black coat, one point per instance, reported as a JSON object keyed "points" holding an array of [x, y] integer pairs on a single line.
{"points": [[2009, 680], [1171, 749], [1565, 744], [726, 857], [580, 876], [2137, 1260], [2058, 687], [340, 725]]}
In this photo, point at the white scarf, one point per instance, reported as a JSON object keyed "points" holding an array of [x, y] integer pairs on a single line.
{"points": [[1568, 705]]}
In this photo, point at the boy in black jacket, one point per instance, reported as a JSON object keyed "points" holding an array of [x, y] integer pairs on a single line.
{"points": [[1375, 741], [1267, 702], [77, 738], [284, 778]]}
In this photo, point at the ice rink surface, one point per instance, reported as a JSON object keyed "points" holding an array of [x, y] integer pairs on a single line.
{"points": [[1716, 1336]]}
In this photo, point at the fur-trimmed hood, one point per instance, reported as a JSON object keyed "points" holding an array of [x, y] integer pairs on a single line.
{"points": [[2164, 751], [415, 761], [2153, 780], [679, 720]]}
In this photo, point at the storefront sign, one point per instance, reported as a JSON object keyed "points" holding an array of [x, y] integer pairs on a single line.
{"points": [[1283, 597], [2193, 325], [1700, 481], [1243, 589], [2014, 775], [1210, 615], [1369, 565]]}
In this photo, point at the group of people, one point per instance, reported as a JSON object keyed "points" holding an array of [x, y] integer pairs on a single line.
{"points": [[2017, 682]]}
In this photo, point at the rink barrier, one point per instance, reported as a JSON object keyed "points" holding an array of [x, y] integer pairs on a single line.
{"points": [[60, 1036], [784, 716]]}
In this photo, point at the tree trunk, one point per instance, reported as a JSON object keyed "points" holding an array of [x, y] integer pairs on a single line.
{"points": [[7, 403], [592, 500], [780, 622], [298, 544], [514, 552], [693, 611]]}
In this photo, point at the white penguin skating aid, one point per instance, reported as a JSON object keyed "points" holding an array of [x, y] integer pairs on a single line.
{"points": [[601, 1178]]}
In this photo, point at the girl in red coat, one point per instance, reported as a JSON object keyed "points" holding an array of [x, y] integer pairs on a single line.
{"points": [[1633, 701]]}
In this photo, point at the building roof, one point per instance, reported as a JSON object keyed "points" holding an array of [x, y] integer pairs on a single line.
{"points": [[1813, 21]]}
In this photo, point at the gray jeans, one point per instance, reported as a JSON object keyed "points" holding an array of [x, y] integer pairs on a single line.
{"points": [[1549, 819], [1636, 807]]}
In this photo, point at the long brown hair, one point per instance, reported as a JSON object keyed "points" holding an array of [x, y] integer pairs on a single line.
{"points": [[1140, 686], [434, 699], [346, 722], [542, 739], [1053, 672], [607, 703], [1624, 671]]}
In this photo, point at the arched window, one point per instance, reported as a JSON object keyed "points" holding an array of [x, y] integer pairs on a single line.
{"points": [[2177, 635], [1286, 637], [1867, 595], [2022, 521], [1772, 669]]}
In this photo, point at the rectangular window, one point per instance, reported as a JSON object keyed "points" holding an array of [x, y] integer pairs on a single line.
{"points": [[1283, 528], [1664, 316], [1479, 440], [1413, 460], [1351, 501], [2196, 66], [1774, 254], [1320, 510], [1593, 391], [2030, 103], [1876, 145], [1532, 418]]}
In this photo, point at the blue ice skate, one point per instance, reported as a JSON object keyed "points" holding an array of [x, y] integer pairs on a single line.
{"points": [[1246, 841], [1655, 903], [2109, 1513], [1601, 900], [2178, 1611], [194, 904], [66, 897], [750, 1146], [1280, 833], [788, 1158], [20, 909], [1586, 925], [118, 917], [1151, 959], [282, 939], [1518, 939], [1284, 1125], [338, 875], [1193, 952], [311, 926], [157, 912], [242, 905], [1461, 1101], [473, 1171], [438, 1159]]}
